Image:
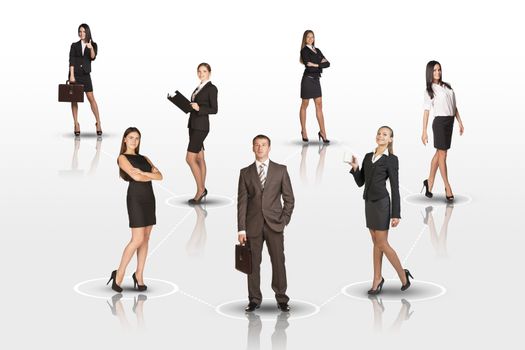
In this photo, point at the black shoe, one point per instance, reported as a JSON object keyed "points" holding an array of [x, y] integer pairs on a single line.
{"points": [[136, 284], [99, 132], [305, 139], [114, 285], [407, 285], [450, 198], [252, 306], [428, 194], [194, 201], [75, 131], [428, 210], [322, 138], [378, 289], [284, 307]]}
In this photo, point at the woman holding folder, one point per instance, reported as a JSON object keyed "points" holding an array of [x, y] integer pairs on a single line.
{"points": [[203, 103]]}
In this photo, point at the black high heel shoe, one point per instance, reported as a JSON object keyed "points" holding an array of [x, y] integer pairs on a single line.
{"points": [[428, 194], [407, 285], [449, 198], [322, 138], [201, 197], [305, 139], [99, 132], [378, 289], [77, 133], [114, 285], [136, 284]]}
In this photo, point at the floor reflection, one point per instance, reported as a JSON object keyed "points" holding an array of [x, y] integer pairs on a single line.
{"points": [[303, 169], [379, 308], [75, 171], [278, 339], [117, 309], [439, 241], [197, 241]]}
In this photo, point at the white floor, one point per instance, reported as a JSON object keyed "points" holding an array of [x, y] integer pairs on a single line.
{"points": [[65, 220]]}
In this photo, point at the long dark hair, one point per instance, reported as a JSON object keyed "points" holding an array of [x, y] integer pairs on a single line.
{"points": [[430, 77], [88, 31], [391, 144], [123, 148], [303, 43]]}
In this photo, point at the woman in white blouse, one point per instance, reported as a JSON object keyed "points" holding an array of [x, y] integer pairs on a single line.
{"points": [[440, 100]]}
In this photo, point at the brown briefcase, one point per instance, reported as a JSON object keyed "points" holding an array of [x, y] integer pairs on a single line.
{"points": [[243, 258], [70, 92]]}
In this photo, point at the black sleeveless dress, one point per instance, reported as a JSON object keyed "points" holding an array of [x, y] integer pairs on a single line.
{"points": [[140, 198]]}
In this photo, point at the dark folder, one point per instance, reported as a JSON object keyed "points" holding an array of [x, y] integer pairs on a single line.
{"points": [[70, 92], [243, 258], [180, 101]]}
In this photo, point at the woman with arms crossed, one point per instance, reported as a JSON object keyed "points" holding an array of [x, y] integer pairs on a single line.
{"points": [[377, 167], [138, 171]]}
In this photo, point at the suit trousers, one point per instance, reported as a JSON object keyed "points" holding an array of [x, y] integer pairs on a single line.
{"points": [[275, 244]]}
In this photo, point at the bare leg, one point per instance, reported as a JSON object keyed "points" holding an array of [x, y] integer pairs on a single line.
{"points": [[202, 165], [433, 170], [381, 239], [302, 117], [94, 108], [442, 161], [142, 254], [74, 110], [191, 159], [137, 237], [378, 262], [319, 114]]}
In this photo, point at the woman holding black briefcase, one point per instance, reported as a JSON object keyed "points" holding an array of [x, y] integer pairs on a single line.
{"points": [[81, 54]]}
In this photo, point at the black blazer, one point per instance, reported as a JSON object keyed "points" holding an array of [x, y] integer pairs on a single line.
{"points": [[207, 101], [374, 175], [82, 63], [308, 55]]}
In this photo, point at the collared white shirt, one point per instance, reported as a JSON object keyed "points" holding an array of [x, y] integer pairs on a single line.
{"points": [[83, 46], [376, 158], [265, 167], [311, 47], [199, 88], [443, 104]]}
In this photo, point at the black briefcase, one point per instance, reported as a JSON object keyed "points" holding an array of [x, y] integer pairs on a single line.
{"points": [[70, 92], [243, 258]]}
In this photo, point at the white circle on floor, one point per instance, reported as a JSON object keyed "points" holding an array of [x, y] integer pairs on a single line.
{"points": [[418, 291], [438, 200], [268, 311], [97, 288], [212, 201]]}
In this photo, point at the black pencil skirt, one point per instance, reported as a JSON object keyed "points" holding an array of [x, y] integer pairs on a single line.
{"points": [[377, 214], [84, 79], [197, 138], [310, 87], [442, 128]]}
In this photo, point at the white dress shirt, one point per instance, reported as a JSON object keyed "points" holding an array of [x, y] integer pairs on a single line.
{"points": [[311, 47], [265, 171], [444, 102], [199, 88], [376, 158], [83, 46]]}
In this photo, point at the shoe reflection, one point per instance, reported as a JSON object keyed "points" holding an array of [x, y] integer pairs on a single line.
{"points": [[75, 171], [379, 308], [197, 241], [439, 241], [320, 163], [279, 339], [117, 309]]}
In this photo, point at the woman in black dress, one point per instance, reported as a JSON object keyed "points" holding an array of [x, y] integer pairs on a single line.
{"points": [[204, 103], [80, 56], [138, 171], [314, 62], [440, 100], [377, 167]]}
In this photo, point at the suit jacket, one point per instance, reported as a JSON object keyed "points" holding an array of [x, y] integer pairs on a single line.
{"points": [[256, 206], [374, 175], [207, 101], [81, 62], [308, 55]]}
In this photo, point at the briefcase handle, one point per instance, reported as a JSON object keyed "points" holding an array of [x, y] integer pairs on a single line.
{"points": [[69, 83]]}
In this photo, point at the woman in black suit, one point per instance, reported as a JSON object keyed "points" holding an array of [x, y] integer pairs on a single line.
{"points": [[80, 56], [314, 62], [139, 172], [204, 103], [377, 167]]}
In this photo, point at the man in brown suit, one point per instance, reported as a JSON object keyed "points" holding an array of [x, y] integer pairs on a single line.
{"points": [[261, 217]]}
